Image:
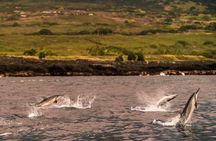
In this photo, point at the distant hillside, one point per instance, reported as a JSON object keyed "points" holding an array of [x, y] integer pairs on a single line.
{"points": [[169, 6]]}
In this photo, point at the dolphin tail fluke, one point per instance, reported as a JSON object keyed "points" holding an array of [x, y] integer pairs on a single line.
{"points": [[196, 96], [197, 91]]}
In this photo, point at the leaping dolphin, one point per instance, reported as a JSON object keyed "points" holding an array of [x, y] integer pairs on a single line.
{"points": [[189, 108], [156, 106], [165, 99], [49, 101], [185, 116]]}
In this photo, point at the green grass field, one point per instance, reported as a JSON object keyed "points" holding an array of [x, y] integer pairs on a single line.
{"points": [[188, 46]]}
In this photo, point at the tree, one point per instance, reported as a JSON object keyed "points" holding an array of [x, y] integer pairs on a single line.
{"points": [[119, 58], [140, 56], [41, 55]]}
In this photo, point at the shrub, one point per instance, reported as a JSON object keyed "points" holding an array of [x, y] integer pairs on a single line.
{"points": [[168, 21], [206, 18], [208, 43], [131, 56], [155, 31], [140, 56], [119, 58], [210, 54], [42, 54], [45, 32], [189, 27], [193, 11], [30, 52], [103, 31], [211, 26], [97, 51]]}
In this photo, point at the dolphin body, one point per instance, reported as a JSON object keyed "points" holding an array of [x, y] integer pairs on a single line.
{"points": [[159, 106], [49, 101], [188, 110], [163, 101], [185, 116]]}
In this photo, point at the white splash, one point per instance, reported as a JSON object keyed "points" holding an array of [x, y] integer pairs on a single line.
{"points": [[162, 74], [83, 102], [34, 112], [182, 73], [171, 122], [149, 108]]}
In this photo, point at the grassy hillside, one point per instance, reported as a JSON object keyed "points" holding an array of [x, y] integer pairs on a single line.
{"points": [[152, 5], [98, 29], [164, 46]]}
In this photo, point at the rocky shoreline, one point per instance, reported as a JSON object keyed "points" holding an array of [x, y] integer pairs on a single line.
{"points": [[14, 66]]}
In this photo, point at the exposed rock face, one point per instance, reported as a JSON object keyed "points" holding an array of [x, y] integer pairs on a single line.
{"points": [[12, 66]]}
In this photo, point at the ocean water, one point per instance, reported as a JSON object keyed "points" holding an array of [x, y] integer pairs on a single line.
{"points": [[105, 108]]}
